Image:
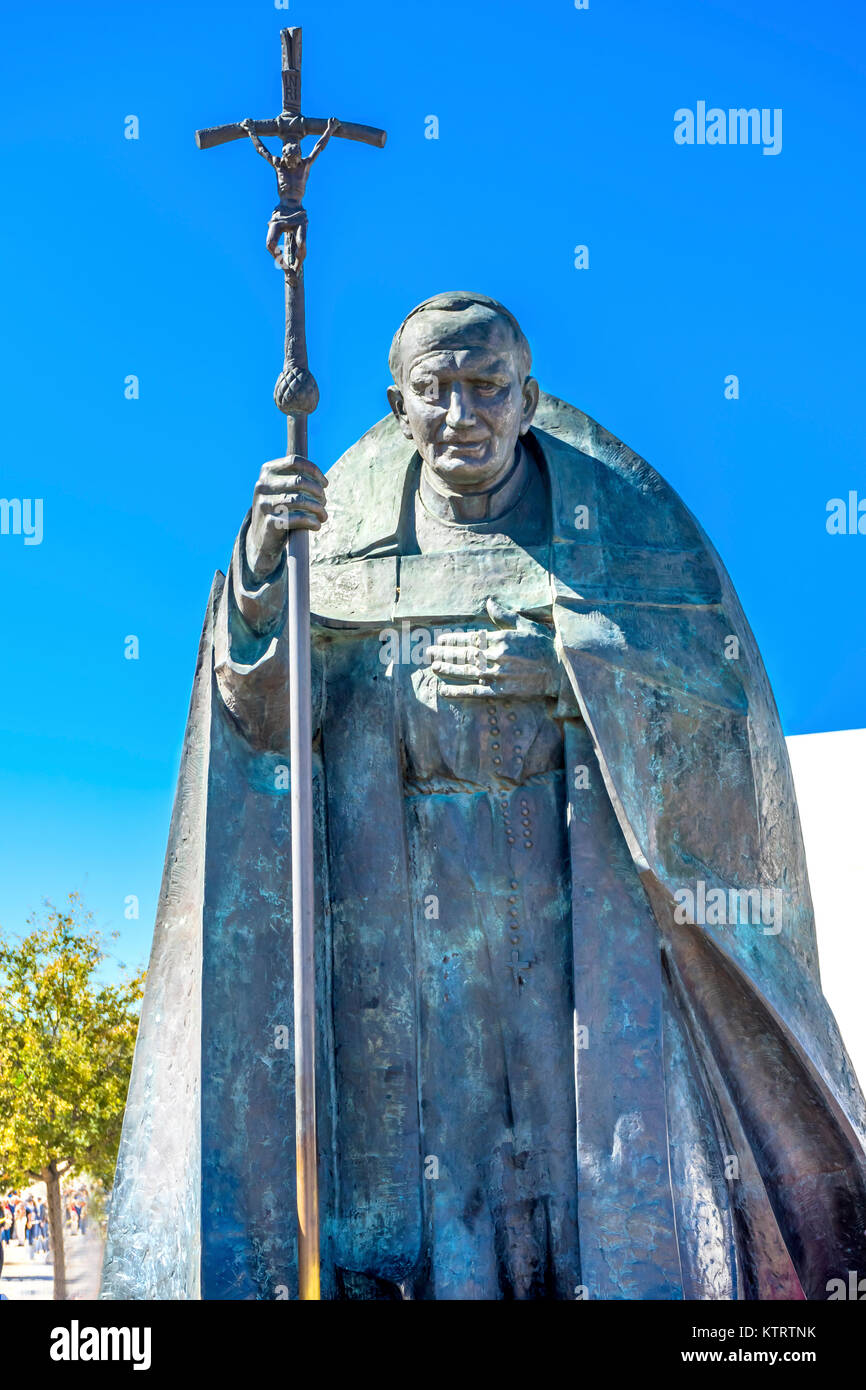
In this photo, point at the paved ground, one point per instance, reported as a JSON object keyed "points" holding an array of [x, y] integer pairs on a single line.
{"points": [[25, 1279]]}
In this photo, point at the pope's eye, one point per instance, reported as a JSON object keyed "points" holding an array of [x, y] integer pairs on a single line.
{"points": [[426, 387], [487, 388]]}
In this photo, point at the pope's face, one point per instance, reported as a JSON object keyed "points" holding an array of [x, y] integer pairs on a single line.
{"points": [[462, 396]]}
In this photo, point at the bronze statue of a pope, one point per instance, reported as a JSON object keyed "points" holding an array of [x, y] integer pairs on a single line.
{"points": [[571, 1036]]}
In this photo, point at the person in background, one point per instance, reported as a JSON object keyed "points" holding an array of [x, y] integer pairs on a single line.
{"points": [[42, 1242], [30, 1224], [20, 1221], [80, 1202], [71, 1215], [6, 1219]]}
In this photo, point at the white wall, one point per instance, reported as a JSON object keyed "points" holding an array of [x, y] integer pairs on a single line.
{"points": [[830, 778]]}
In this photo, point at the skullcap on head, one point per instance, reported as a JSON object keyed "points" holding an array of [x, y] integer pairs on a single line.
{"points": [[455, 300]]}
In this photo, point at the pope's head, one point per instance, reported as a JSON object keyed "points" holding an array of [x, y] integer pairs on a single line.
{"points": [[462, 389]]}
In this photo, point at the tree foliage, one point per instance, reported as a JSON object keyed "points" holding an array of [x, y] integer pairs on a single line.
{"points": [[66, 1045]]}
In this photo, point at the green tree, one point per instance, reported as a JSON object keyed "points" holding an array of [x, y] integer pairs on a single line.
{"points": [[66, 1045]]}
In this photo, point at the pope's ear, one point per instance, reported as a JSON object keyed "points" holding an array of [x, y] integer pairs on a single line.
{"points": [[398, 406], [530, 403]]}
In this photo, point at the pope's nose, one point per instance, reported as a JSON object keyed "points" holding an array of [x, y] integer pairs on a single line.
{"points": [[461, 413]]}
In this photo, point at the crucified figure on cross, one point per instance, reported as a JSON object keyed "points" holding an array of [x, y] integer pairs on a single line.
{"points": [[289, 217]]}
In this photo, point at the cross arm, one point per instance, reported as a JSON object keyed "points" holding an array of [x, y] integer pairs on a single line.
{"points": [[290, 127]]}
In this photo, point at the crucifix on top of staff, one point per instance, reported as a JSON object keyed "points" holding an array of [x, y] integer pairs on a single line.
{"points": [[289, 217], [296, 394]]}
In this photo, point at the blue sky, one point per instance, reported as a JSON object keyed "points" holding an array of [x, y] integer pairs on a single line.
{"points": [[555, 129]]}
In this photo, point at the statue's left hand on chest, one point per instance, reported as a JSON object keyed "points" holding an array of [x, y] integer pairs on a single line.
{"points": [[515, 659]]}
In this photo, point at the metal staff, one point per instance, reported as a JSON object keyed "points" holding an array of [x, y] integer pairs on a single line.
{"points": [[297, 395]]}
